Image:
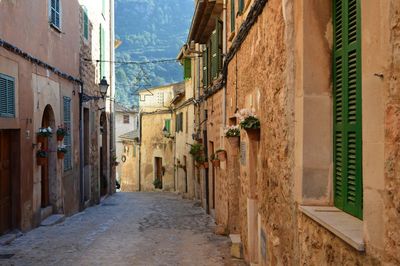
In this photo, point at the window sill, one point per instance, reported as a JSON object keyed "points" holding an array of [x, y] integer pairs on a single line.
{"points": [[341, 224], [55, 28]]}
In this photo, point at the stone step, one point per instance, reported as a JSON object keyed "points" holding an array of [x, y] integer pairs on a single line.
{"points": [[53, 219], [7, 239], [236, 247]]}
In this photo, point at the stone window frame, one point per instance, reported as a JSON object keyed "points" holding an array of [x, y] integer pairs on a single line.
{"points": [[126, 119]]}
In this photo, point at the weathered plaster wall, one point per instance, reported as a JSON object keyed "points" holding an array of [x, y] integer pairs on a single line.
{"points": [[130, 168]]}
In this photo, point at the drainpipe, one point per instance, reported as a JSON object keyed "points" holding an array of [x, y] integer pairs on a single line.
{"points": [[81, 172], [224, 49], [140, 149]]}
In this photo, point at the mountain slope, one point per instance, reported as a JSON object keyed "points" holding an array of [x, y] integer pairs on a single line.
{"points": [[149, 30]]}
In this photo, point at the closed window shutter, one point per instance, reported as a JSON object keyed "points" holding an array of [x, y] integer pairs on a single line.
{"points": [[220, 43], [68, 138], [347, 107], [233, 16], [168, 125], [187, 68], [7, 96]]}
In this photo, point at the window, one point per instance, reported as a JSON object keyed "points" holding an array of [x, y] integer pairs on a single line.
{"points": [[233, 16], [7, 96], [55, 13], [102, 52], [205, 68], [126, 119], [68, 138], [212, 56], [187, 68], [179, 122], [347, 118], [167, 125], [160, 98], [85, 23]]}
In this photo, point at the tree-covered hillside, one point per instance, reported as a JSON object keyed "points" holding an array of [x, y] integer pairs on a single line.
{"points": [[149, 30]]}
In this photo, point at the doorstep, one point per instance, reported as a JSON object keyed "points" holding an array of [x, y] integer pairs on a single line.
{"points": [[341, 224]]}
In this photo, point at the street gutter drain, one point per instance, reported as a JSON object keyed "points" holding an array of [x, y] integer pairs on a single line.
{"points": [[6, 256]]}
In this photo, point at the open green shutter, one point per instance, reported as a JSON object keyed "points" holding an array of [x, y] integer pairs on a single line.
{"points": [[241, 6], [214, 54], [233, 16], [220, 43], [347, 107], [205, 69], [102, 52], [187, 65], [85, 23]]}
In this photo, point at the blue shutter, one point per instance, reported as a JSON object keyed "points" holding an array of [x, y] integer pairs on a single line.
{"points": [[68, 138], [7, 96]]}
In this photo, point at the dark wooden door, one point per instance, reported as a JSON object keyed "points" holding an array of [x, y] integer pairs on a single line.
{"points": [[5, 182], [159, 171]]}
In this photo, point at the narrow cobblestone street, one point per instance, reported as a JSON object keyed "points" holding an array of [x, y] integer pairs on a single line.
{"points": [[126, 229]]}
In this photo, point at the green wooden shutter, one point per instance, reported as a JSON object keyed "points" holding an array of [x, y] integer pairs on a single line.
{"points": [[7, 96], [187, 65], [168, 125], [347, 107], [205, 69], [220, 43], [214, 54], [85, 24], [233, 16], [67, 138], [102, 52], [241, 6]]}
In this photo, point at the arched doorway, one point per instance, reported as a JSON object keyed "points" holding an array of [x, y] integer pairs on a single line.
{"points": [[104, 182], [49, 168]]}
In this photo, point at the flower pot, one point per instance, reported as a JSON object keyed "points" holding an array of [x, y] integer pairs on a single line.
{"points": [[41, 160], [221, 155], [205, 165], [41, 139], [253, 133], [216, 163], [60, 137], [234, 142], [60, 155]]}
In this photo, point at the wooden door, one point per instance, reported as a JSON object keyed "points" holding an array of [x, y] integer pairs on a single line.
{"points": [[45, 201], [159, 172], [5, 182]]}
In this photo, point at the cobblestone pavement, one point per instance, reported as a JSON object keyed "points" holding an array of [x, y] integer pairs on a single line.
{"points": [[126, 229]]}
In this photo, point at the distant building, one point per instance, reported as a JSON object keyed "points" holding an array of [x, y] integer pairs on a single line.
{"points": [[126, 122], [156, 144]]}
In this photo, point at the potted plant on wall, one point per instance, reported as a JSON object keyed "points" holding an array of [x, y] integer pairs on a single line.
{"points": [[61, 151], [62, 131], [157, 183], [44, 133], [215, 160], [249, 122], [41, 156], [233, 135], [221, 154]]}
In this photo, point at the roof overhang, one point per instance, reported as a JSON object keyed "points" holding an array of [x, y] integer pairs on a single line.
{"points": [[203, 22]]}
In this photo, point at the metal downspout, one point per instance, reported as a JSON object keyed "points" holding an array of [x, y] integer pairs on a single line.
{"points": [[224, 49]]}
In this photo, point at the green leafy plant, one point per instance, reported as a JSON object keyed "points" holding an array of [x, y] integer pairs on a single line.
{"points": [[214, 157], [248, 120], [232, 131], [196, 149], [42, 153], [62, 149], [62, 131], [46, 132], [157, 183]]}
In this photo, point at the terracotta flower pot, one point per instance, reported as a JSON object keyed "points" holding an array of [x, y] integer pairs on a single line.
{"points": [[205, 165], [60, 155], [216, 163], [253, 133], [41, 160], [60, 137], [234, 141], [41, 139], [221, 155]]}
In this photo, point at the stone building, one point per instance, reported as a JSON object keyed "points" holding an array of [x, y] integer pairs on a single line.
{"points": [[98, 141], [129, 162], [39, 87], [317, 183], [155, 142], [183, 106]]}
